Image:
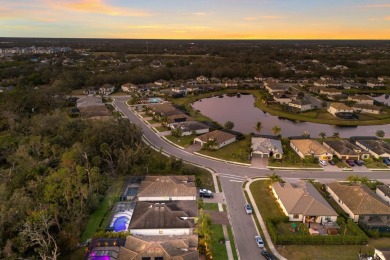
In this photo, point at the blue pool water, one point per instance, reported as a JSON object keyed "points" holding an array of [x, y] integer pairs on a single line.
{"points": [[154, 100], [120, 224]]}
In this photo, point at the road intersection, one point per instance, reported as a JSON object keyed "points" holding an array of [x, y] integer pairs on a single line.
{"points": [[232, 177]]}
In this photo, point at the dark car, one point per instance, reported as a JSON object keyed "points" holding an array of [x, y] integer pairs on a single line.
{"points": [[203, 193], [386, 161], [331, 162], [350, 163], [358, 162], [268, 255]]}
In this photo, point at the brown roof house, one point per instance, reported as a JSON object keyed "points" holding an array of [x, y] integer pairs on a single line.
{"points": [[170, 218], [365, 108], [216, 139], [362, 99], [266, 148], [302, 202], [167, 188], [362, 205], [308, 147], [160, 247], [377, 148], [344, 150], [339, 108]]}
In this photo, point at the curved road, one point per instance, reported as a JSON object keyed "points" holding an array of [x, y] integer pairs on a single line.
{"points": [[231, 177]]}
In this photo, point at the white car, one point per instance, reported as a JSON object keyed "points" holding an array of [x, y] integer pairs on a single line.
{"points": [[323, 163], [259, 241], [248, 209]]}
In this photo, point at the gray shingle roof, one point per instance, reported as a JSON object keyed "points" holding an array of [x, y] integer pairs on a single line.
{"points": [[265, 145]]}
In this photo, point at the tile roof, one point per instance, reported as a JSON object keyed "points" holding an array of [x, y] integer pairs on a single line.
{"points": [[217, 135], [190, 126], [167, 186], [303, 198], [379, 147], [168, 247], [310, 147], [360, 97], [367, 106], [340, 106], [265, 145], [360, 199], [344, 147], [149, 215]]}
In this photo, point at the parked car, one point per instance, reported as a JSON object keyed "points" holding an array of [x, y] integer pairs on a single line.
{"points": [[350, 162], [331, 162], [322, 162], [358, 162], [259, 241], [386, 161], [268, 255], [203, 193], [248, 209]]}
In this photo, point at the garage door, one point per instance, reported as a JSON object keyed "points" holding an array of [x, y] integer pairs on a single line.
{"points": [[353, 157], [256, 155]]}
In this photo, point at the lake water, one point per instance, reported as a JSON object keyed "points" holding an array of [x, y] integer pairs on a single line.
{"points": [[383, 99], [242, 112]]}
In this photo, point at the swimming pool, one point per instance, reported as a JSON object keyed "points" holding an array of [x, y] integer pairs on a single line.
{"points": [[121, 223], [154, 100]]}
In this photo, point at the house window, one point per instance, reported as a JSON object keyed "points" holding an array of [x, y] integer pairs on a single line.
{"points": [[159, 258], [327, 218], [296, 216], [146, 258]]}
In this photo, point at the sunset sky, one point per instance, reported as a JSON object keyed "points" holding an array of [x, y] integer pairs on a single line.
{"points": [[201, 19]]}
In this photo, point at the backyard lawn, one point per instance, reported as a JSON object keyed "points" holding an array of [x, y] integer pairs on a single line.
{"points": [[98, 219], [235, 152], [162, 128], [183, 141], [219, 249]]}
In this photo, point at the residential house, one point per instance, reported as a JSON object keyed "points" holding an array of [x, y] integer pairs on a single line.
{"points": [[377, 148], [374, 83], [383, 78], [171, 218], [330, 92], [167, 188], [301, 201], [275, 87], [231, 84], [362, 205], [128, 87], [190, 127], [335, 108], [326, 78], [202, 79], [225, 79], [282, 97], [381, 254], [159, 248], [180, 90], [328, 83], [308, 147], [362, 99], [163, 110], [215, 80], [161, 83], [217, 138], [260, 78], [266, 148], [383, 191], [178, 118], [300, 104], [106, 89], [365, 108], [345, 150]]}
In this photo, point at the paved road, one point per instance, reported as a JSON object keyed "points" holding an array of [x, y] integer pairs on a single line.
{"points": [[231, 177]]}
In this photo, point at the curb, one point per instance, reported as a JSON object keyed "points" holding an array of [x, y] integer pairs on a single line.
{"points": [[294, 168], [172, 143], [221, 160]]}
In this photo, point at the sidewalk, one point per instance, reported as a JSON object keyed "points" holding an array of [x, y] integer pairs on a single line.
{"points": [[224, 228], [262, 224]]}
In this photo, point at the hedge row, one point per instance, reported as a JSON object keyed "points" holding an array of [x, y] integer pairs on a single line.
{"points": [[358, 237]]}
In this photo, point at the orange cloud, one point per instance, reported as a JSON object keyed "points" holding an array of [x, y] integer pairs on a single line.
{"points": [[98, 6], [375, 6]]}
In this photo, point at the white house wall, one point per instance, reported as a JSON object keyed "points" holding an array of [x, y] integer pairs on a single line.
{"points": [[177, 198], [383, 195]]}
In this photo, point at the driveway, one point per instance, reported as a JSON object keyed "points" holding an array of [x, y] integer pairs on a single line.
{"points": [[259, 162], [193, 148]]}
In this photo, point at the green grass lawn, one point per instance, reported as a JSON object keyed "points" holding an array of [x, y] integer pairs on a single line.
{"points": [[102, 211], [162, 128], [152, 121], [183, 141], [210, 206], [235, 152], [374, 164], [219, 249], [264, 200]]}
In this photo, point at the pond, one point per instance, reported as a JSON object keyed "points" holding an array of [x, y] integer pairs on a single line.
{"points": [[385, 99], [242, 112]]}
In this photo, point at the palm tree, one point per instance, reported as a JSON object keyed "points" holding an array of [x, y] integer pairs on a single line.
{"points": [[259, 126], [380, 133], [336, 135], [276, 130], [274, 178], [322, 134], [210, 144]]}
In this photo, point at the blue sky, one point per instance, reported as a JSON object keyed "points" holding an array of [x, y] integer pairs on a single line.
{"points": [[213, 19]]}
